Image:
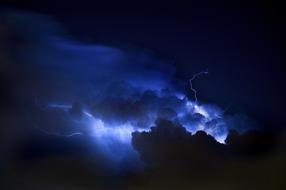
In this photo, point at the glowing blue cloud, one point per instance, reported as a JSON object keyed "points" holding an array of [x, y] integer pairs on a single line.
{"points": [[105, 93]]}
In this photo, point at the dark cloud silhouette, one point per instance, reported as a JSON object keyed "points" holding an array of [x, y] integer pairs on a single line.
{"points": [[170, 145], [201, 162], [54, 87], [195, 148]]}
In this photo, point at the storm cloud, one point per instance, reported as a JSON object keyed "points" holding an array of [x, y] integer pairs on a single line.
{"points": [[62, 87]]}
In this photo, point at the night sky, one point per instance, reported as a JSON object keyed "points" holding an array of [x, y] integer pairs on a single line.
{"points": [[142, 95]]}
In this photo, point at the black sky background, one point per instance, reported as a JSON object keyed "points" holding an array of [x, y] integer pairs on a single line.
{"points": [[240, 43]]}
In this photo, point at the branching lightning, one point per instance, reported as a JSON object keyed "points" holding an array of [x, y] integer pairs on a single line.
{"points": [[118, 137]]}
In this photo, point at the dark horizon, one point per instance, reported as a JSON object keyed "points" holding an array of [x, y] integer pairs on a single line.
{"points": [[102, 91]]}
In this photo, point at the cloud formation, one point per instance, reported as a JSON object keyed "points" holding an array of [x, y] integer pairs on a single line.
{"points": [[64, 87], [69, 108]]}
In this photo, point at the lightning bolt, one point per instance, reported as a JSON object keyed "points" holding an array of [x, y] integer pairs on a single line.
{"points": [[191, 83], [56, 134], [64, 107]]}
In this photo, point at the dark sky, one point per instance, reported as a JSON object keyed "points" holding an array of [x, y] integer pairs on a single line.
{"points": [[241, 43]]}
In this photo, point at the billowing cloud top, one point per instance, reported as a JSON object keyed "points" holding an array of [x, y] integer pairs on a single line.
{"points": [[68, 88]]}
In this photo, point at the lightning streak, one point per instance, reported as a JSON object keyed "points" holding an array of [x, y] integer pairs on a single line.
{"points": [[57, 134], [191, 83]]}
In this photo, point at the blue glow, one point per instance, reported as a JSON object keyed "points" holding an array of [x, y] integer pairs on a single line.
{"points": [[106, 93], [104, 131], [211, 120]]}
